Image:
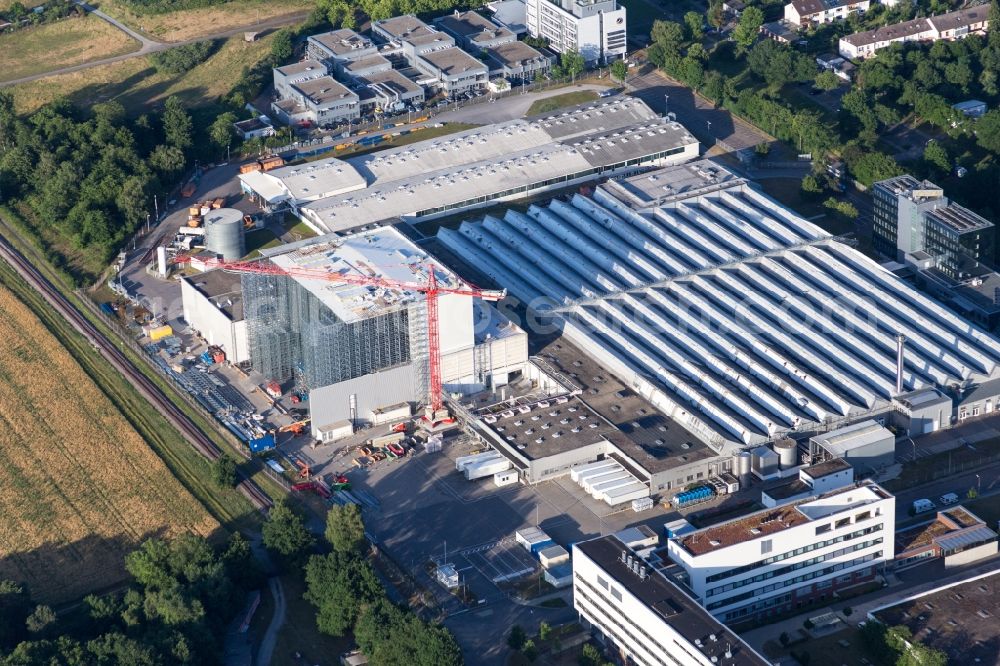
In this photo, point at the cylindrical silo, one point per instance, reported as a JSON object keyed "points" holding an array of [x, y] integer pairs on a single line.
{"points": [[743, 469], [224, 233], [786, 450]]}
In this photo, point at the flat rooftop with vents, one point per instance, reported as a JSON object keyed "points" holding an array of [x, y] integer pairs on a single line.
{"points": [[658, 601], [772, 521], [959, 619]]}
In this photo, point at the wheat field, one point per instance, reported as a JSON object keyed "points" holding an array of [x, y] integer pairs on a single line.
{"points": [[78, 486]]}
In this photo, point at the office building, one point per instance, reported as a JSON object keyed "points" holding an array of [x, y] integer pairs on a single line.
{"points": [[593, 28], [778, 560], [307, 94], [338, 47], [915, 222], [642, 617]]}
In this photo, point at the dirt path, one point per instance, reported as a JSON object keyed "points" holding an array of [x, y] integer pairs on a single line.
{"points": [[277, 620]]}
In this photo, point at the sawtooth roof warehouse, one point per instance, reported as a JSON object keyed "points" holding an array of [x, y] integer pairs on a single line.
{"points": [[734, 316], [472, 168]]}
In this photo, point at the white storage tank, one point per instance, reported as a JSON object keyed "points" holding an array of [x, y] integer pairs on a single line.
{"points": [[786, 448], [224, 233], [743, 464]]}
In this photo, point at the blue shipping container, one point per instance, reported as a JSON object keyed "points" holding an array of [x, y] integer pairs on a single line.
{"points": [[265, 443], [540, 546], [107, 309]]}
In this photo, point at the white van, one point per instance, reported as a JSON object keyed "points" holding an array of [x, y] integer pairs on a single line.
{"points": [[922, 505], [948, 498]]}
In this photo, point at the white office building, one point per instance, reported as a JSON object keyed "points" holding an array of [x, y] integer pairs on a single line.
{"points": [[644, 618], [594, 28], [777, 560]]}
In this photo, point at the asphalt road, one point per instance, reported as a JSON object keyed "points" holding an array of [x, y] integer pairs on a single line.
{"points": [[708, 123], [148, 45], [266, 649]]}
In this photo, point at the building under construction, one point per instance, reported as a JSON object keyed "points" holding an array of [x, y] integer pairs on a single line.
{"points": [[361, 347]]}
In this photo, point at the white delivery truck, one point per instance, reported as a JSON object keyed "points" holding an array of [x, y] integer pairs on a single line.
{"points": [[922, 506]]}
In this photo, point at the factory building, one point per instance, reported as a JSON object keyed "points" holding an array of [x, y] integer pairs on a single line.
{"points": [[644, 618], [213, 306], [475, 167], [868, 446], [739, 320], [368, 344], [777, 560]]}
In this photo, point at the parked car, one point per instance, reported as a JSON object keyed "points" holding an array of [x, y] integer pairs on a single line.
{"points": [[948, 498]]}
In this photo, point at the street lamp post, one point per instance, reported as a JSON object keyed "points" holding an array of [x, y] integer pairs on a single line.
{"points": [[979, 485], [666, 105], [709, 126]]}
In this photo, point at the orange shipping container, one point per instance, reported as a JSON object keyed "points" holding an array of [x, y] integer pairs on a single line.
{"points": [[269, 163], [250, 166]]}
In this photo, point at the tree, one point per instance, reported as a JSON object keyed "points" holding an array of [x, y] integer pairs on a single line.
{"points": [[748, 28], [339, 585], [988, 131], [572, 63], [345, 529], [544, 631], [870, 166], [40, 619], [619, 70], [827, 80], [971, 494], [15, 606], [224, 471], [845, 208], [516, 638], [590, 656], [285, 533], [694, 23], [810, 184], [993, 32], [177, 124], [530, 650], [221, 130], [282, 48], [784, 639], [937, 155], [667, 37], [168, 161]]}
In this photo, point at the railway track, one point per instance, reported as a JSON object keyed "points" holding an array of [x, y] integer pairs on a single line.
{"points": [[198, 439]]}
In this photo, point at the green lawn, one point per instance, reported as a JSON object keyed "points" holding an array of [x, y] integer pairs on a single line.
{"points": [[550, 104], [260, 239]]}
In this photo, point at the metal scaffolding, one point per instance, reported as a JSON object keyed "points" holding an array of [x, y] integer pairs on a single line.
{"points": [[291, 333]]}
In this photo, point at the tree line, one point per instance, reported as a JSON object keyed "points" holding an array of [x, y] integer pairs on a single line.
{"points": [[21, 16], [89, 178], [349, 598], [175, 612]]}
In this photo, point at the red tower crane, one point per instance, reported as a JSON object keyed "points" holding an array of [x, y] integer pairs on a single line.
{"points": [[431, 290]]}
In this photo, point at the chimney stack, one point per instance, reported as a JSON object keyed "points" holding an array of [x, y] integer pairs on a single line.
{"points": [[900, 340]]}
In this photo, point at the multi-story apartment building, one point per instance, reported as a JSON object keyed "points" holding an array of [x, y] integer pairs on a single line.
{"points": [[594, 28], [644, 618], [950, 26], [776, 560], [810, 12], [912, 217]]}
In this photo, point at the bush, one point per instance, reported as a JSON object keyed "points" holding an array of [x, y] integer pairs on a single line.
{"points": [[181, 59], [516, 638], [784, 638], [224, 471], [848, 611], [808, 624]]}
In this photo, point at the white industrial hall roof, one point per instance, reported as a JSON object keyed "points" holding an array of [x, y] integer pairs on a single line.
{"points": [[730, 312], [514, 154]]}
